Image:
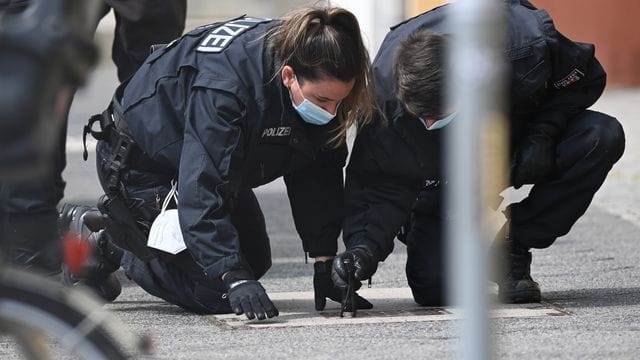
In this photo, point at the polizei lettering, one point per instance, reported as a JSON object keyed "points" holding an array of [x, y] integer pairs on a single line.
{"points": [[223, 35], [276, 131]]}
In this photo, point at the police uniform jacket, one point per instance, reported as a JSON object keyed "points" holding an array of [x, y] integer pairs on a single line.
{"points": [[552, 79], [212, 108]]}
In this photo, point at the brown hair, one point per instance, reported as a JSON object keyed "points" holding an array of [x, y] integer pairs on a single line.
{"points": [[419, 73], [318, 42]]}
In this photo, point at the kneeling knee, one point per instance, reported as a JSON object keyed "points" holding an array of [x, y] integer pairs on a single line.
{"points": [[609, 137], [433, 295], [427, 290]]}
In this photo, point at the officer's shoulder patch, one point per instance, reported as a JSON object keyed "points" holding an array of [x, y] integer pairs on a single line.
{"points": [[574, 76], [222, 35]]}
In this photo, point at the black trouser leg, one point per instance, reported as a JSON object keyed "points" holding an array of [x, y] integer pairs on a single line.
{"points": [[140, 24], [32, 242], [588, 148], [248, 220], [28, 213], [170, 282], [177, 278], [425, 250]]}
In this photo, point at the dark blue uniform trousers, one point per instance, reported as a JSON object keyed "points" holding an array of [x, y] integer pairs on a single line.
{"points": [[177, 278], [587, 149]]}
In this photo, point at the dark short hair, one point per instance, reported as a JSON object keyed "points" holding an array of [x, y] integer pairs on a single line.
{"points": [[419, 74]]}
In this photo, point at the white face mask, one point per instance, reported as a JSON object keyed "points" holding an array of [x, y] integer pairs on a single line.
{"points": [[166, 233], [439, 124], [310, 112]]}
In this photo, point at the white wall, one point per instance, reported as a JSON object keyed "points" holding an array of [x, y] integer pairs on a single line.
{"points": [[375, 17]]}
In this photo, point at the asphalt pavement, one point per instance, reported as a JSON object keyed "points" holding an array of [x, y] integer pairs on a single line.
{"points": [[590, 281]]}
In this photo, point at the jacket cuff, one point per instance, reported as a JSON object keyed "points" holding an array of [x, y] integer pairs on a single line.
{"points": [[232, 262], [370, 245], [322, 253]]}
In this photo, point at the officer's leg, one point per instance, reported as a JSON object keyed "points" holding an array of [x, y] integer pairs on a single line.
{"points": [[588, 148], [105, 234], [425, 250], [140, 24], [168, 281], [29, 216], [248, 219], [176, 279]]}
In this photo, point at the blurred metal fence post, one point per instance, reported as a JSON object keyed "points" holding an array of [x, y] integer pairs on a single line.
{"points": [[475, 89]]}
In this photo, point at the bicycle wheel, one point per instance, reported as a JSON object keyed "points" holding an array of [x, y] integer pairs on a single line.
{"points": [[39, 312]]}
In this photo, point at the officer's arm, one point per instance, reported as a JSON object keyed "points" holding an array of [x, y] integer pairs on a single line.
{"points": [[577, 78], [316, 197], [378, 198], [576, 81], [210, 149]]}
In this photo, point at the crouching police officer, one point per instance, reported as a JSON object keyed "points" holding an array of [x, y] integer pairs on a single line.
{"points": [[226, 108], [563, 149]]}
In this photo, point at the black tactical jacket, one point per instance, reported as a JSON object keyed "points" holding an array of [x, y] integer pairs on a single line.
{"points": [[552, 78], [211, 107]]}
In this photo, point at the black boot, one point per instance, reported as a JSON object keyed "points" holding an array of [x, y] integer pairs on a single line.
{"points": [[516, 286], [98, 273], [31, 242]]}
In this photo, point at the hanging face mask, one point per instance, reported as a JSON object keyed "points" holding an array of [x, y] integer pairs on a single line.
{"points": [[165, 233], [439, 124], [310, 112]]}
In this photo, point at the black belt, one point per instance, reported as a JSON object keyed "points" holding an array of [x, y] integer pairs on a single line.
{"points": [[125, 153]]}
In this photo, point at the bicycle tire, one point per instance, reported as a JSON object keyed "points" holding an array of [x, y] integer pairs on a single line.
{"points": [[74, 318]]}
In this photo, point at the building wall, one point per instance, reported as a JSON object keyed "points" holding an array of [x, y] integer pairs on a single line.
{"points": [[607, 24], [414, 7]]}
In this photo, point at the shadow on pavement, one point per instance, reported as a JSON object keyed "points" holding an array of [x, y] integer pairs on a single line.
{"points": [[583, 298]]}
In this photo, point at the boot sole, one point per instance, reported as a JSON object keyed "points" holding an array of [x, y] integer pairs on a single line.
{"points": [[521, 297]]}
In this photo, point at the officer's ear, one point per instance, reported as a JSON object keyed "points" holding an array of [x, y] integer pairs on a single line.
{"points": [[288, 76]]}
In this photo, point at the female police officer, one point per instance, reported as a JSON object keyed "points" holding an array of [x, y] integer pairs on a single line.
{"points": [[223, 109]]}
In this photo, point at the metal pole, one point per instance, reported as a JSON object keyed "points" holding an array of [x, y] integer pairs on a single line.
{"points": [[474, 89]]}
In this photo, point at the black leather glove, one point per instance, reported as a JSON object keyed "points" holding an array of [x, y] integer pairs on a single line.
{"points": [[247, 296], [323, 287], [364, 265], [535, 159]]}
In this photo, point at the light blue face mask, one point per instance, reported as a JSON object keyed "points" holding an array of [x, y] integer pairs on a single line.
{"points": [[439, 124], [312, 113]]}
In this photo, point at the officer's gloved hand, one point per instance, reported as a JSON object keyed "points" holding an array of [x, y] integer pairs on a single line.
{"points": [[363, 263], [535, 159], [247, 296], [323, 287]]}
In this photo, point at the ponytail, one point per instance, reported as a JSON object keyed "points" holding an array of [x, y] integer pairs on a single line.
{"points": [[326, 42]]}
